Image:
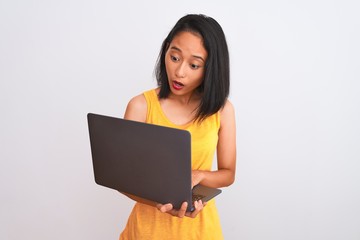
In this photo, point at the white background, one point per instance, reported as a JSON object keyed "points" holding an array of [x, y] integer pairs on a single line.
{"points": [[295, 86]]}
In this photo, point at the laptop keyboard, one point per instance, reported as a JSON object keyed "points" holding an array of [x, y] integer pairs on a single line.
{"points": [[196, 197]]}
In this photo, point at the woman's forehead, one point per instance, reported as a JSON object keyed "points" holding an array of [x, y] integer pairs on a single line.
{"points": [[189, 43]]}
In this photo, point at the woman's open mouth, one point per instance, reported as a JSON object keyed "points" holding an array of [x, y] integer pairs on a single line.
{"points": [[177, 85]]}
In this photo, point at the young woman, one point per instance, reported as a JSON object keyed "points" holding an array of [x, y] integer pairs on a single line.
{"points": [[193, 85]]}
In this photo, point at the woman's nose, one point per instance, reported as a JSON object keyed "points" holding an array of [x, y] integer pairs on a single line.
{"points": [[180, 71]]}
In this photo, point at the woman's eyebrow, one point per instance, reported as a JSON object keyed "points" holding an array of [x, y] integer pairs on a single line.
{"points": [[176, 48], [179, 50]]}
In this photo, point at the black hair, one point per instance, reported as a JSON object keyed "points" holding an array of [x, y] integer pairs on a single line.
{"points": [[215, 86]]}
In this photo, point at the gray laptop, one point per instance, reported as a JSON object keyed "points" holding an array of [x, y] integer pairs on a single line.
{"points": [[146, 160]]}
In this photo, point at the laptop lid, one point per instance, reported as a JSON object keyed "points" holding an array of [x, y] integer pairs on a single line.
{"points": [[146, 160]]}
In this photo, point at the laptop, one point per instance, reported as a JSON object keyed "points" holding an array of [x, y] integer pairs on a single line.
{"points": [[146, 160]]}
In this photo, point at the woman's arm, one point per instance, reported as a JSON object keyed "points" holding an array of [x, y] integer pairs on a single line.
{"points": [[226, 153]]}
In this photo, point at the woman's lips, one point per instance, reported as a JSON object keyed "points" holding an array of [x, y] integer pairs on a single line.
{"points": [[177, 85]]}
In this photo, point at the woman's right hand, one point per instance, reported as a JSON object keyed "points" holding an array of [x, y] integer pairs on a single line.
{"points": [[168, 208]]}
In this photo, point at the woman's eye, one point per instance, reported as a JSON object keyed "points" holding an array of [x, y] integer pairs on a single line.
{"points": [[194, 66], [175, 59]]}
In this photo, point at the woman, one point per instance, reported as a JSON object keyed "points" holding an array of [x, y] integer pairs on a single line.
{"points": [[193, 85]]}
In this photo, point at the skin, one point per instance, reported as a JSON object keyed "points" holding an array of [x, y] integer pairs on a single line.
{"points": [[185, 60]]}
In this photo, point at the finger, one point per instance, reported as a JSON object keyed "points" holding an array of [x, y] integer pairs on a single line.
{"points": [[166, 207], [198, 205], [182, 210], [158, 206]]}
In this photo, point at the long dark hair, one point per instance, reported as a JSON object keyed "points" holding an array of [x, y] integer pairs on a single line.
{"points": [[216, 83]]}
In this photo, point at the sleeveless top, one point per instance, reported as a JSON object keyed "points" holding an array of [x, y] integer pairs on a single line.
{"points": [[148, 223]]}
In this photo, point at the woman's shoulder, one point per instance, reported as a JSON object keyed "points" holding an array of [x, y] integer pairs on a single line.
{"points": [[138, 101], [228, 106], [136, 108], [227, 113]]}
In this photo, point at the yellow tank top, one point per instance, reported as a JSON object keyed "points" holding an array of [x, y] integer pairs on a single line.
{"points": [[148, 223]]}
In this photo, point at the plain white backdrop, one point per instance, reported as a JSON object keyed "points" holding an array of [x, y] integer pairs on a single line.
{"points": [[294, 83]]}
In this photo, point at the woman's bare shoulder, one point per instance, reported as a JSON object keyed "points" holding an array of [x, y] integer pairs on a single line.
{"points": [[228, 108], [227, 114], [136, 109]]}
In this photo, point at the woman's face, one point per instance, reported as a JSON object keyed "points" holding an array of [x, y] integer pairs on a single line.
{"points": [[185, 61]]}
